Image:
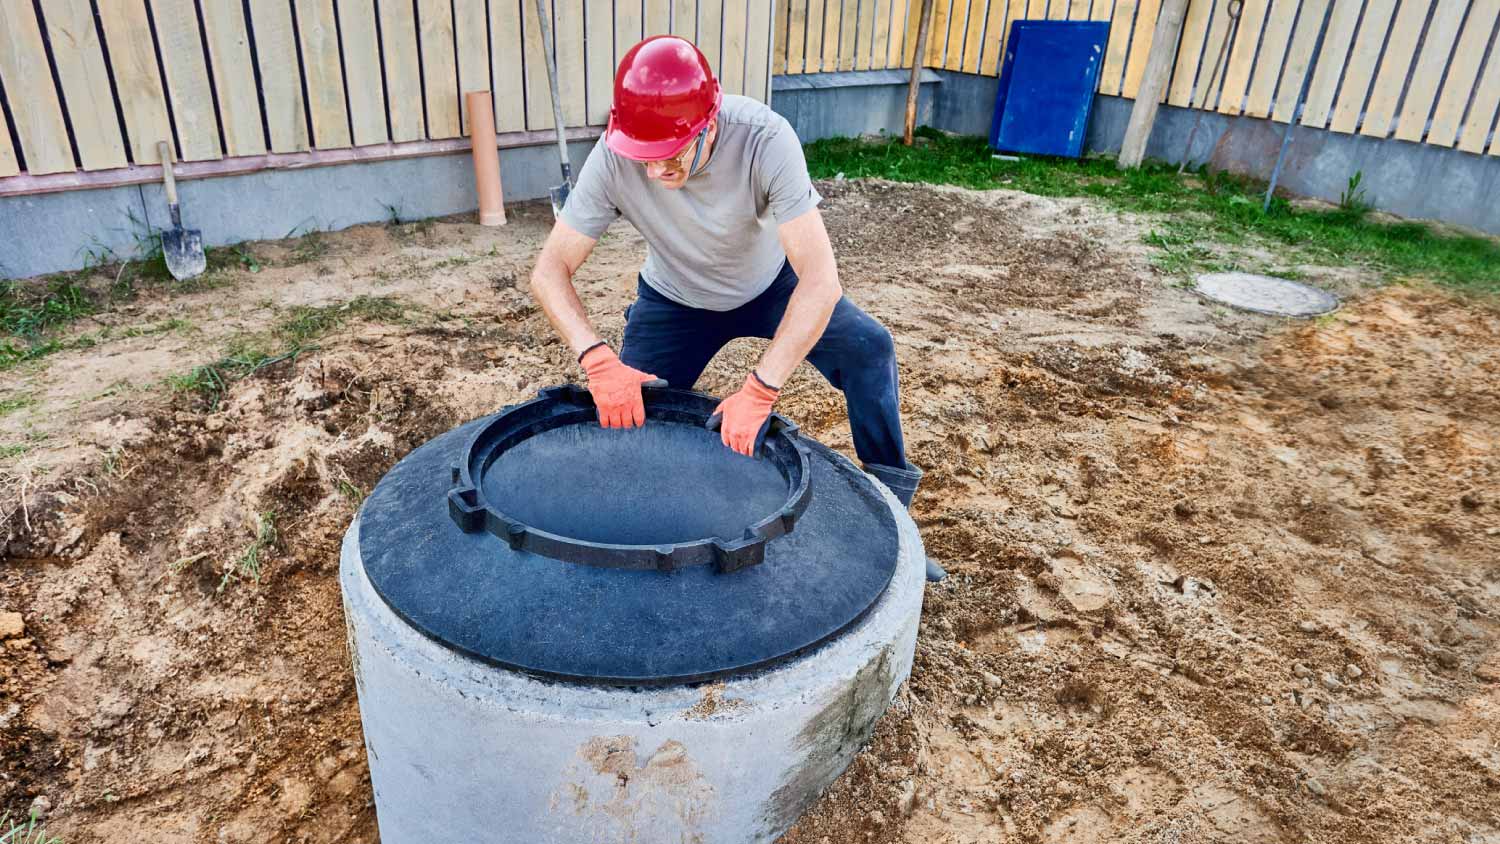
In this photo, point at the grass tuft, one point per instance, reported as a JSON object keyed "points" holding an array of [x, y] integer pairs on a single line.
{"points": [[1206, 206], [32, 831], [292, 336], [247, 566]]}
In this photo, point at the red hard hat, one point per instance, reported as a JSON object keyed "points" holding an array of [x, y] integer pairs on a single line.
{"points": [[665, 94]]}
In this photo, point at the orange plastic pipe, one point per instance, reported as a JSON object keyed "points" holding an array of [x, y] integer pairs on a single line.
{"points": [[486, 158]]}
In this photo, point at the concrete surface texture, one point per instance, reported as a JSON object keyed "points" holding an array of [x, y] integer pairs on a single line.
{"points": [[469, 752]]}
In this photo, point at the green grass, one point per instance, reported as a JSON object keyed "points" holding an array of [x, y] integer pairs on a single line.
{"points": [[1207, 206], [247, 566], [293, 335], [15, 403], [32, 831]]}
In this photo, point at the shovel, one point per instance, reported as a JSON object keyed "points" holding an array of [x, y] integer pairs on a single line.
{"points": [[558, 194], [181, 248]]}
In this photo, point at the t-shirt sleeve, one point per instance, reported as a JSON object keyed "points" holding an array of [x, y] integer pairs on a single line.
{"points": [[783, 174], [590, 209]]}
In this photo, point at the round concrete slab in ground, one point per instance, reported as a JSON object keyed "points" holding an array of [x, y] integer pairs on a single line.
{"points": [[1265, 294]]}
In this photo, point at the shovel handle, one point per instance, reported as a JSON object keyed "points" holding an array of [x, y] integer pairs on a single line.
{"points": [[168, 180]]}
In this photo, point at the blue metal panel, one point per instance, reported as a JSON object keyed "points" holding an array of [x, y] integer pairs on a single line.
{"points": [[1047, 86]]}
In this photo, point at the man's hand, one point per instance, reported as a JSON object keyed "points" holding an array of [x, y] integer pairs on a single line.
{"points": [[742, 418], [616, 388]]}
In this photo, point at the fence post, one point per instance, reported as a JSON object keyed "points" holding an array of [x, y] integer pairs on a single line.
{"points": [[1153, 83]]}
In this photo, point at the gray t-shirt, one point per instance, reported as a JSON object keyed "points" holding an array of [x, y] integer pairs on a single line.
{"points": [[712, 244]]}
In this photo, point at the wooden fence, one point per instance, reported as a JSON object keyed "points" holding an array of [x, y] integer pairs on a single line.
{"points": [[94, 84], [1418, 70]]}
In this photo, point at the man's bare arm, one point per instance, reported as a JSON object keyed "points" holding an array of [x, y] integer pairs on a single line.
{"points": [[818, 291], [552, 284]]}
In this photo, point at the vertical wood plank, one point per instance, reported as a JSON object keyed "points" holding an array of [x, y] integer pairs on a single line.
{"points": [[85, 83], [1463, 73], [325, 80], [869, 13], [1078, 10], [538, 92], [848, 34], [506, 50], [1190, 52], [657, 17], [187, 79], [570, 68], [758, 51], [600, 40], [1394, 67], [884, 29], [280, 80], [779, 38], [813, 46], [1220, 30], [470, 31], [1298, 57], [1140, 46], [973, 37], [937, 33], [1057, 10], [832, 12], [710, 30], [629, 23], [910, 49], [685, 19], [1242, 57], [1112, 74], [1330, 62], [1437, 45], [897, 27], [234, 76], [403, 75], [1036, 10], [362, 71], [439, 67], [1361, 67], [1272, 57], [33, 98], [796, 37], [9, 164], [143, 100], [732, 62], [994, 36], [1482, 111]]}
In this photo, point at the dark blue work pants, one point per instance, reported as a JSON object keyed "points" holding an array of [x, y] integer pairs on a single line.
{"points": [[855, 354]]}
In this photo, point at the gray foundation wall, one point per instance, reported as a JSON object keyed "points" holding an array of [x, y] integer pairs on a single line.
{"points": [[62, 231], [1409, 179], [53, 232]]}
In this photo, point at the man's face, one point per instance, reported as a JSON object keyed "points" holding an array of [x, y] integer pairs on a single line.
{"points": [[672, 173]]}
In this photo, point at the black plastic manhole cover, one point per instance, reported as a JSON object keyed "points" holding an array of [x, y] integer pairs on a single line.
{"points": [[538, 541]]}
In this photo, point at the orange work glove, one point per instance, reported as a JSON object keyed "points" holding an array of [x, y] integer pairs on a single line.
{"points": [[616, 387], [742, 419]]}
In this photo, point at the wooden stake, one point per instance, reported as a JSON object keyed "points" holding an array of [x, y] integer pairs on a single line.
{"points": [[918, 54], [1153, 83]]}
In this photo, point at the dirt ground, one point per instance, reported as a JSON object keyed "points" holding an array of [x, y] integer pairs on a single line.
{"points": [[1214, 577]]}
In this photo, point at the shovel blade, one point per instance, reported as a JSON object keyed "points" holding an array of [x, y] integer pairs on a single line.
{"points": [[559, 196], [183, 251]]}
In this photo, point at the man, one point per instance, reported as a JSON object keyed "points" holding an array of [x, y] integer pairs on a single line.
{"points": [[718, 187]]}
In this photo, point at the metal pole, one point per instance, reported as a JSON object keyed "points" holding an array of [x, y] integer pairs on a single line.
{"points": [[1233, 10], [557, 114], [1286, 139]]}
